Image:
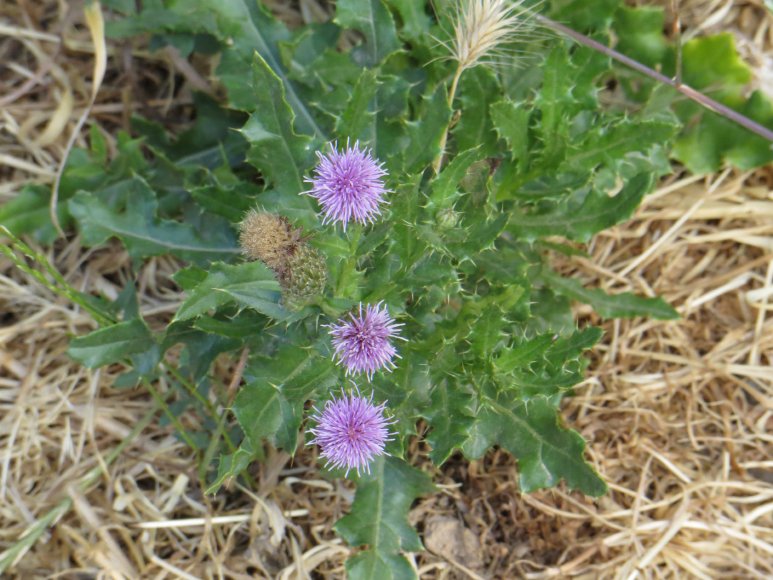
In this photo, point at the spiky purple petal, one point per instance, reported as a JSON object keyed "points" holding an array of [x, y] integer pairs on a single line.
{"points": [[362, 342], [351, 431], [349, 185]]}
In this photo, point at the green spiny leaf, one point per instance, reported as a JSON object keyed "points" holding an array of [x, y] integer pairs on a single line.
{"points": [[623, 305], [415, 21], [111, 344], [231, 465], [275, 149], [450, 417], [478, 89], [134, 221], [250, 28], [375, 22], [378, 518], [223, 281], [426, 132], [554, 102], [270, 405], [357, 120], [596, 212], [445, 187], [511, 121], [546, 451]]}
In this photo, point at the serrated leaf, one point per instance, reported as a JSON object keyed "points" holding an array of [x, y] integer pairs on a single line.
{"points": [[487, 332], [223, 281], [275, 149], [135, 222], [111, 344], [554, 103], [511, 121], [445, 187], [478, 89], [270, 405], [426, 132], [375, 22], [596, 212], [567, 348], [610, 144], [623, 305], [450, 417], [415, 21], [251, 28], [231, 465], [357, 120], [546, 451], [523, 353], [546, 365], [379, 517], [258, 409]]}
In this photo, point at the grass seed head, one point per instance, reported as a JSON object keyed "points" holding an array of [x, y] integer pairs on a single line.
{"points": [[484, 28]]}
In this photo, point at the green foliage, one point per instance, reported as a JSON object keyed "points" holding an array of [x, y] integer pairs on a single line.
{"points": [[459, 257], [531, 431], [134, 219], [111, 344], [375, 22], [624, 305], [379, 520], [275, 150], [710, 64], [250, 282]]}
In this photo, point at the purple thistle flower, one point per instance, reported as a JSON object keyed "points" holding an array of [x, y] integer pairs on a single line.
{"points": [[351, 431], [348, 185], [362, 342]]}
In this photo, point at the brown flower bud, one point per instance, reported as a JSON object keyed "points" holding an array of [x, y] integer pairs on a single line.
{"points": [[269, 238]]}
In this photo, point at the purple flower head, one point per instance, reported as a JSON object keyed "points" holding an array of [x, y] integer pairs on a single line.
{"points": [[351, 431], [362, 342], [348, 185]]}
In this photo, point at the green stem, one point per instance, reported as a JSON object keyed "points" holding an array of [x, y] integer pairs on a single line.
{"points": [[444, 139], [171, 416], [348, 268], [59, 285]]}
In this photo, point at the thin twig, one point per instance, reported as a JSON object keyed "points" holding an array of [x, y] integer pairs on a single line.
{"points": [[236, 379], [687, 91], [677, 32]]}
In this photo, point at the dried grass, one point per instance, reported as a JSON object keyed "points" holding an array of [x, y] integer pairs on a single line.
{"points": [[678, 414]]}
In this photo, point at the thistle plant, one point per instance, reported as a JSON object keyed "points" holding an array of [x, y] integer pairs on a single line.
{"points": [[351, 431], [448, 217], [349, 185], [363, 342]]}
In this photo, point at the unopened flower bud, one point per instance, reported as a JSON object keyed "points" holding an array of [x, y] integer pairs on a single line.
{"points": [[268, 237], [447, 218], [303, 277]]}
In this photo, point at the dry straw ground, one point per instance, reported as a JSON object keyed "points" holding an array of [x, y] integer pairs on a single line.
{"points": [[678, 414]]}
